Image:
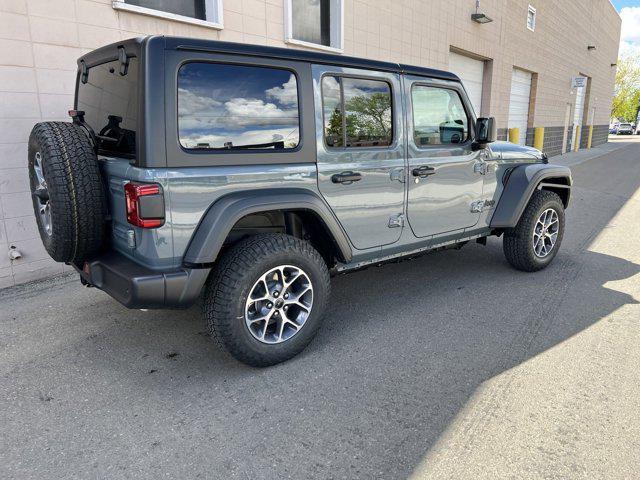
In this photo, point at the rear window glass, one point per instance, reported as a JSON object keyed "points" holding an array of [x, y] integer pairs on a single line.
{"points": [[228, 107], [110, 103]]}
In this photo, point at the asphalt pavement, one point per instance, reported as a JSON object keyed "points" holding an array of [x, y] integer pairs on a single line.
{"points": [[452, 365]]}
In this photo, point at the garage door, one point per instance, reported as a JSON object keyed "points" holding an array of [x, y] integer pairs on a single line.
{"points": [[519, 102], [471, 72]]}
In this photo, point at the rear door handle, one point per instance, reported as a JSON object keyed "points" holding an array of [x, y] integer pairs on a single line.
{"points": [[346, 177], [424, 171]]}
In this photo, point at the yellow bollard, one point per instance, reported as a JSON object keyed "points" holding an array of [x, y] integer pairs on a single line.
{"points": [[576, 143], [538, 137], [590, 136], [514, 135]]}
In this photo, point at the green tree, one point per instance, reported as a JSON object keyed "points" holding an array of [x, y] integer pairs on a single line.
{"points": [[334, 128], [626, 97], [369, 115]]}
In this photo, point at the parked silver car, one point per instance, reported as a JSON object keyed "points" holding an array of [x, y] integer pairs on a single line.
{"points": [[624, 129]]}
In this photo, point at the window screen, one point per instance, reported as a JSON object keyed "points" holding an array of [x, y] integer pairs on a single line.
{"points": [[188, 8], [311, 21], [357, 112], [438, 116], [223, 106]]}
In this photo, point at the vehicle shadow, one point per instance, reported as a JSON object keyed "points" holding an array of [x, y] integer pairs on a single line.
{"points": [[402, 350]]}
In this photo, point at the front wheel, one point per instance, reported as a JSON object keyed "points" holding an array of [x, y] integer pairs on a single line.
{"points": [[535, 240], [265, 298]]}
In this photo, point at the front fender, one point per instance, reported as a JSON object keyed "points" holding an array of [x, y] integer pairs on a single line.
{"points": [[223, 214], [520, 185]]}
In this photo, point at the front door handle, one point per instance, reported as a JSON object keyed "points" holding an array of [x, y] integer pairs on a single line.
{"points": [[424, 171], [346, 177]]}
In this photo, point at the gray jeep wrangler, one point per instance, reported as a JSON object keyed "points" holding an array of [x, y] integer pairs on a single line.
{"points": [[246, 176]]}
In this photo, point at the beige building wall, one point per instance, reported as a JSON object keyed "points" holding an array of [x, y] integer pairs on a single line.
{"points": [[40, 41]]}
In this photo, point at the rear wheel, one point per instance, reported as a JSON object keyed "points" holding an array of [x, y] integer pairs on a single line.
{"points": [[265, 298], [535, 240]]}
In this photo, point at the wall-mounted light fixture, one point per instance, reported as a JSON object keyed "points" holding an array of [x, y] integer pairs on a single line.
{"points": [[614, 64], [591, 47], [480, 17]]}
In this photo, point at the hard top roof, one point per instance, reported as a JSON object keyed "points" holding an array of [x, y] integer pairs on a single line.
{"points": [[195, 44]]}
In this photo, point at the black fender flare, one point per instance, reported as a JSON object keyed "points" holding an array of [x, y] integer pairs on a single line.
{"points": [[520, 185], [224, 213]]}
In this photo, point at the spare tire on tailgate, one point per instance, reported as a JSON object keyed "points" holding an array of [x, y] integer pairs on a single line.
{"points": [[68, 194]]}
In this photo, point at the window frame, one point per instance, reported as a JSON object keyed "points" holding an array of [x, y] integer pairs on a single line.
{"points": [[531, 11], [212, 8], [470, 129], [250, 151], [336, 28], [394, 140]]}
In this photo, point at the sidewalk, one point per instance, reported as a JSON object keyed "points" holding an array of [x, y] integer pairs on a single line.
{"points": [[576, 158]]}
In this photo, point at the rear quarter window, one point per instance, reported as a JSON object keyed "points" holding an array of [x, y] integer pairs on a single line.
{"points": [[231, 107]]}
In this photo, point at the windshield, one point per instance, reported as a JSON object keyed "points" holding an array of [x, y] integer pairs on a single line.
{"points": [[109, 101]]}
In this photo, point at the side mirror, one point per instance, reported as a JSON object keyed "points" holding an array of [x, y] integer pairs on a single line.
{"points": [[486, 130]]}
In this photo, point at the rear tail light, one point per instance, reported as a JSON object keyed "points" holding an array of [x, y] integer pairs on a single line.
{"points": [[145, 204]]}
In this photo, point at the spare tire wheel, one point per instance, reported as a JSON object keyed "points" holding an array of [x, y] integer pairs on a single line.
{"points": [[68, 195]]}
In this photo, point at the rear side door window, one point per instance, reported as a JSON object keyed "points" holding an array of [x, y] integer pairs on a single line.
{"points": [[237, 107], [357, 112], [439, 117]]}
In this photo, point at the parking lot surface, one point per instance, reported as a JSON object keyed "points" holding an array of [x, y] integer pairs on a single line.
{"points": [[452, 365]]}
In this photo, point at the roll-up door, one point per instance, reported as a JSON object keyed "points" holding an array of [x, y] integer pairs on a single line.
{"points": [[471, 72], [519, 102]]}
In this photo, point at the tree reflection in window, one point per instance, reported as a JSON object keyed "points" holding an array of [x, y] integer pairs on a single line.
{"points": [[357, 112]]}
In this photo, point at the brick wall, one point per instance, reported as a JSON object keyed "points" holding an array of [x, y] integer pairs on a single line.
{"points": [[40, 41], [529, 137], [600, 134], [552, 144]]}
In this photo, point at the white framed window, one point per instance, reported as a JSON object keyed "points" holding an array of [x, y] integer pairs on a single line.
{"points": [[207, 13], [315, 23], [531, 18]]}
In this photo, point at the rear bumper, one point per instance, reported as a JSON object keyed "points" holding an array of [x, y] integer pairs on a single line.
{"points": [[136, 286]]}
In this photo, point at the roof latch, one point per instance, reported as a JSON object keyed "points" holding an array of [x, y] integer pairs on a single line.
{"points": [[124, 61]]}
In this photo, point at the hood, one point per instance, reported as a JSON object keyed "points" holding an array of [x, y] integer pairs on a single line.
{"points": [[509, 151]]}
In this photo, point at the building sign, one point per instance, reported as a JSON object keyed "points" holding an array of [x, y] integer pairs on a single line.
{"points": [[578, 82]]}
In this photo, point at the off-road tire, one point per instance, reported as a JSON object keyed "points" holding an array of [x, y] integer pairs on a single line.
{"points": [[231, 281], [518, 242], [76, 193]]}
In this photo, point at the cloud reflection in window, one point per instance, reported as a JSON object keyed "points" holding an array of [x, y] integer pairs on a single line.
{"points": [[234, 106]]}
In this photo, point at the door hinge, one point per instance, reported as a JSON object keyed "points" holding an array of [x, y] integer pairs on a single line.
{"points": [[480, 205], [396, 221], [398, 174], [481, 167]]}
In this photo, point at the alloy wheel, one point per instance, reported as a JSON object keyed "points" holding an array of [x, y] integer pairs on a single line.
{"points": [[279, 303], [545, 233], [41, 193]]}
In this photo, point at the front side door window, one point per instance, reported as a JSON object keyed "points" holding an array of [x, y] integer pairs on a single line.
{"points": [[438, 117], [441, 161]]}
